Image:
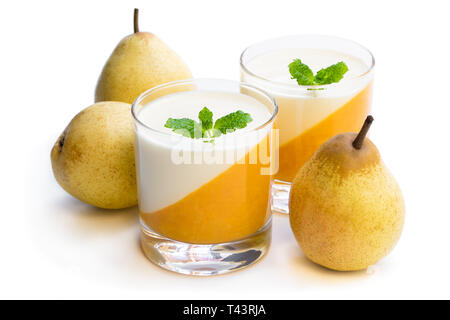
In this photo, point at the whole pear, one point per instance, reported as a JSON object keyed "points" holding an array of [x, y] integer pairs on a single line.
{"points": [[139, 62], [346, 209], [93, 159]]}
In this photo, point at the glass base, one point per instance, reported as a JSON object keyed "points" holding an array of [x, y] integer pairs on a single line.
{"points": [[280, 196], [205, 259]]}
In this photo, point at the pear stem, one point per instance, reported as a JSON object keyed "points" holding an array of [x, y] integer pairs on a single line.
{"points": [[136, 20], [357, 143]]}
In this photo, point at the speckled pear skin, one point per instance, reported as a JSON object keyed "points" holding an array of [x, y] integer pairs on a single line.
{"points": [[346, 209], [139, 62], [93, 159]]}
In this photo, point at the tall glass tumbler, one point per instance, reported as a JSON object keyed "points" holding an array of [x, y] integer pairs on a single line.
{"points": [[204, 203], [309, 115]]}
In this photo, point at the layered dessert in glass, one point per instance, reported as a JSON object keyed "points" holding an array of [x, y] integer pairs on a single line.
{"points": [[309, 114], [204, 163]]}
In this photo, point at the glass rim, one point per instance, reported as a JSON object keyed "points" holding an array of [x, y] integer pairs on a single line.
{"points": [[170, 84], [305, 87]]}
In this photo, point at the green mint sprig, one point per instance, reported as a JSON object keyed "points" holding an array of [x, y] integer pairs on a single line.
{"points": [[184, 126], [305, 77], [205, 127]]}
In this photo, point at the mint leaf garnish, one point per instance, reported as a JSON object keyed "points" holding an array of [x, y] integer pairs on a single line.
{"points": [[183, 126], [304, 76], [206, 119], [233, 121], [301, 72], [205, 129], [332, 74]]}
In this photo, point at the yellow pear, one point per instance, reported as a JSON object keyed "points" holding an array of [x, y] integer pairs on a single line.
{"points": [[346, 209], [139, 62], [93, 159]]}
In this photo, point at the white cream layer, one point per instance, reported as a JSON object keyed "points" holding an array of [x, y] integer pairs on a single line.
{"points": [[300, 111]]}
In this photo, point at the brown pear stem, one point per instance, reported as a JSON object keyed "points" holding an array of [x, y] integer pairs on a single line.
{"points": [[136, 20], [357, 143]]}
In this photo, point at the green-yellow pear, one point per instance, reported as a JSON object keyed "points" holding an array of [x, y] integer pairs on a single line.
{"points": [[139, 62], [346, 209], [93, 159]]}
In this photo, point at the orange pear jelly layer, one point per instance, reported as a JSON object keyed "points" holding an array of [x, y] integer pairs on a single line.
{"points": [[348, 118], [233, 205]]}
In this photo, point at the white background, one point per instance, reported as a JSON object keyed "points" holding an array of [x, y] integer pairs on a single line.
{"points": [[51, 54]]}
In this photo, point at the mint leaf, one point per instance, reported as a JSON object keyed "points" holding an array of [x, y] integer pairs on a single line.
{"points": [[184, 126], [305, 76], [206, 119], [232, 121], [204, 129], [332, 74], [301, 72]]}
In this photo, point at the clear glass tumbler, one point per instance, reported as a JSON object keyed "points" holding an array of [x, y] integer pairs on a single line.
{"points": [[309, 115], [204, 203]]}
